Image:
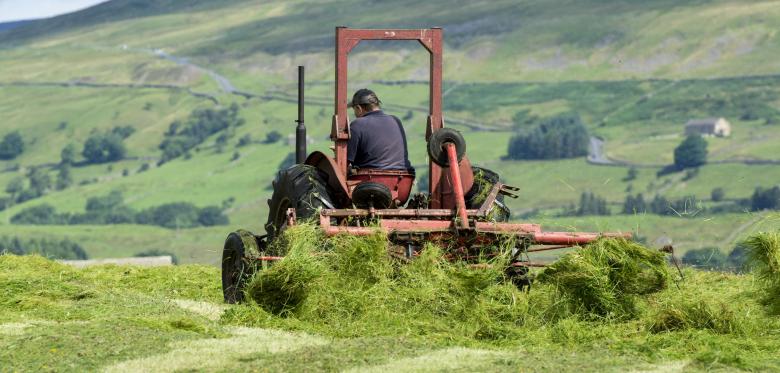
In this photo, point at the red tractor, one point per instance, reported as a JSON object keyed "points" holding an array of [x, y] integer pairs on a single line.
{"points": [[463, 208]]}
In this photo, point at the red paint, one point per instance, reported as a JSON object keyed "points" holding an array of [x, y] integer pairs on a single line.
{"points": [[399, 183], [460, 201], [346, 40]]}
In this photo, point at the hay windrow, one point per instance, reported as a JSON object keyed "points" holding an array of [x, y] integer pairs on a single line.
{"points": [[348, 286], [763, 251], [703, 314], [604, 279]]}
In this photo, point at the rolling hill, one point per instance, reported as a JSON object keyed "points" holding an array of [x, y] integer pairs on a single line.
{"points": [[634, 71]]}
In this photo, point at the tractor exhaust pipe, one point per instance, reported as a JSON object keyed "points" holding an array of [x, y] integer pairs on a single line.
{"points": [[300, 130]]}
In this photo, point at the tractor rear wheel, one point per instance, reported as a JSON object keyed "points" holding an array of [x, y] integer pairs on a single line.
{"points": [[239, 261], [484, 180], [301, 187]]}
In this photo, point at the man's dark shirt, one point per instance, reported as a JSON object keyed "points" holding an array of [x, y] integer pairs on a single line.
{"points": [[378, 140]]}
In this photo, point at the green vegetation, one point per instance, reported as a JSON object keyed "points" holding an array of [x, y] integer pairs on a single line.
{"points": [[763, 251], [348, 286], [692, 152], [104, 147], [181, 137], [554, 138], [765, 199], [54, 249], [603, 280], [711, 258], [111, 209], [11, 146], [171, 318]]}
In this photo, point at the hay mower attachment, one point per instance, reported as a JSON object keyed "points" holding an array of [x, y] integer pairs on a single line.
{"points": [[463, 211]]}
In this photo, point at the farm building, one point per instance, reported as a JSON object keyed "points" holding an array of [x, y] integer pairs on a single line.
{"points": [[708, 127]]}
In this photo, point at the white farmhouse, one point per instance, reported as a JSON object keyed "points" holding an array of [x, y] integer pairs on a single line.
{"points": [[708, 127]]}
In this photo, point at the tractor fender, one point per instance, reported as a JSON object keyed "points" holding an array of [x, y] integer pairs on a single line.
{"points": [[337, 179]]}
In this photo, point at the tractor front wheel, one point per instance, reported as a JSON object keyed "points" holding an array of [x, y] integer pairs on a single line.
{"points": [[239, 261]]}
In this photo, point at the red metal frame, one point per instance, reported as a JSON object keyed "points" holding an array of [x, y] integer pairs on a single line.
{"points": [[346, 40], [460, 201]]}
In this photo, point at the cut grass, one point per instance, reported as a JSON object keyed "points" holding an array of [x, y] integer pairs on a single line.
{"points": [[348, 286], [162, 319], [764, 256], [603, 279]]}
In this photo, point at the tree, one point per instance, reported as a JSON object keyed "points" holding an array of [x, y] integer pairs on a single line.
{"points": [[64, 249], [272, 137], [41, 214], [64, 178], [200, 125], [245, 140], [634, 204], [11, 146], [68, 154], [123, 131], [591, 204], [558, 137], [40, 181], [692, 152], [105, 203], [707, 258], [765, 199], [170, 215], [632, 174], [717, 194], [661, 206], [102, 148], [15, 187], [212, 215]]}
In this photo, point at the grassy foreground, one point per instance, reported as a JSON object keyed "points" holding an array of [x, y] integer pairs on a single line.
{"points": [[117, 318]]}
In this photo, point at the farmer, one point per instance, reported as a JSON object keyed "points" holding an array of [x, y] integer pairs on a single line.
{"points": [[377, 140]]}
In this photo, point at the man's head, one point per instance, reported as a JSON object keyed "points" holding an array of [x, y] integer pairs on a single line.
{"points": [[364, 101]]}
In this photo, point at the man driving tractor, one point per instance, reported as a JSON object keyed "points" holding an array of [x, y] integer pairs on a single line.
{"points": [[377, 140]]}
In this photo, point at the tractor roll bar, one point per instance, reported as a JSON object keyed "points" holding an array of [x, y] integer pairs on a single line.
{"points": [[346, 40]]}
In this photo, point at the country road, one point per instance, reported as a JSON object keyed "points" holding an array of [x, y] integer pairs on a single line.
{"points": [[223, 82]]}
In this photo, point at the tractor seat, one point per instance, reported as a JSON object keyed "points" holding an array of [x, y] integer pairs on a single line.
{"points": [[374, 185]]}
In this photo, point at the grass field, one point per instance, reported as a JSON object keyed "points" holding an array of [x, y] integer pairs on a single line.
{"points": [[120, 318]]}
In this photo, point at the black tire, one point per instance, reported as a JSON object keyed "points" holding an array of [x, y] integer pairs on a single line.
{"points": [[369, 193], [301, 187], [484, 180], [436, 146], [239, 262]]}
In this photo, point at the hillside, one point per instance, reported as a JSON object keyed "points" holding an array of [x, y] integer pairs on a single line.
{"points": [[634, 71]]}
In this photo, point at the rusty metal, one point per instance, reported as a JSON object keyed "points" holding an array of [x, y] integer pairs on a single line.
{"points": [[488, 203], [346, 40], [548, 248], [460, 200]]}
